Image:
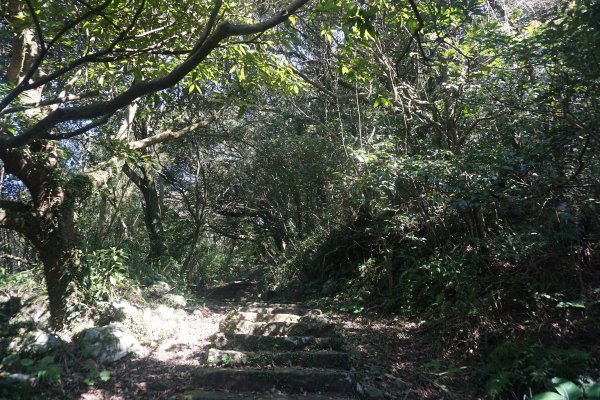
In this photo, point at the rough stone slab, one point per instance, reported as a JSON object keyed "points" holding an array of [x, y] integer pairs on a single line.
{"points": [[204, 395], [312, 359], [288, 380], [265, 308], [274, 343], [262, 317], [318, 329]]}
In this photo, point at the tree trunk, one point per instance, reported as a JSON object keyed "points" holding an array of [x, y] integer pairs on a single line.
{"points": [[49, 220], [152, 211]]}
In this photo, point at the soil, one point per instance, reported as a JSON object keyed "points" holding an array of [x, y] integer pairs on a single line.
{"points": [[161, 373], [387, 354]]}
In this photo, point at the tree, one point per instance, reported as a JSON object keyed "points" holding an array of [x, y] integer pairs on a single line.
{"points": [[68, 79]]}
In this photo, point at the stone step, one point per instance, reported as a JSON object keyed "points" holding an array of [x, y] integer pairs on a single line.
{"points": [[266, 308], [318, 329], [312, 359], [262, 317], [243, 342], [288, 380], [204, 395]]}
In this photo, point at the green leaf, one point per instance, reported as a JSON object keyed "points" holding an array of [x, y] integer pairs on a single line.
{"points": [[570, 304], [568, 390], [548, 396], [104, 375], [593, 391], [27, 362]]}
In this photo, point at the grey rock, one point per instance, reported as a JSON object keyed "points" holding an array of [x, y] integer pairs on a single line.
{"points": [[35, 342], [108, 344], [159, 289], [360, 389], [174, 300], [371, 392], [20, 378], [123, 311]]}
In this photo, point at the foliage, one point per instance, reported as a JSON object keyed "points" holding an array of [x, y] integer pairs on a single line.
{"points": [[45, 369], [566, 390], [103, 272], [516, 367], [95, 375]]}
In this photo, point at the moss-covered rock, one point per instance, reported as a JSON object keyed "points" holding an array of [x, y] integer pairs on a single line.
{"points": [[107, 344]]}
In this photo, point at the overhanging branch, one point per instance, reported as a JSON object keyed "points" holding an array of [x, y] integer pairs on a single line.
{"points": [[100, 109]]}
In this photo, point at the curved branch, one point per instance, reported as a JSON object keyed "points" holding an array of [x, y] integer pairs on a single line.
{"points": [[172, 135], [108, 107], [23, 86], [16, 206], [16, 218]]}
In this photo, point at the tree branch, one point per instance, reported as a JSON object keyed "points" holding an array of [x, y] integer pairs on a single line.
{"points": [[172, 135], [100, 109], [16, 206], [24, 85], [49, 102], [17, 221]]}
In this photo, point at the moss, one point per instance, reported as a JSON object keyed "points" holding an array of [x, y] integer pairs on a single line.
{"points": [[79, 186]]}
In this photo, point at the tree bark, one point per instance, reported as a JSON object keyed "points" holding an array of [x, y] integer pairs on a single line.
{"points": [[152, 211]]}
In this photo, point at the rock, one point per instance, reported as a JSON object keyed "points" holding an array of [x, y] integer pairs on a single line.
{"points": [[123, 311], [34, 309], [159, 289], [147, 324], [35, 342], [108, 344], [360, 389], [226, 357], [371, 392], [289, 380], [19, 378], [174, 300]]}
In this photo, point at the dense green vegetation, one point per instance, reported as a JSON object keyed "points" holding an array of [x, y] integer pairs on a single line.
{"points": [[436, 160]]}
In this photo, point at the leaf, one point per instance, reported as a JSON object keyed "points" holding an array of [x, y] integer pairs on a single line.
{"points": [[593, 391], [568, 390], [27, 362], [548, 396], [104, 375], [345, 70]]}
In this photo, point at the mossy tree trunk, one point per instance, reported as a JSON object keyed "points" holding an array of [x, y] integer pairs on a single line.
{"points": [[48, 219], [146, 183]]}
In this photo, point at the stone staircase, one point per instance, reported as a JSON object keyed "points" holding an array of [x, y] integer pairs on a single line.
{"points": [[275, 352]]}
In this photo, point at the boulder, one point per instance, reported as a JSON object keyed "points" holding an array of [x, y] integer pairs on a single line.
{"points": [[123, 311], [147, 324], [174, 300], [108, 343], [35, 342], [159, 289]]}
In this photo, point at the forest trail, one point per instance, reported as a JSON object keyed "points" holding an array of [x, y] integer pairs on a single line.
{"points": [[275, 351], [232, 350]]}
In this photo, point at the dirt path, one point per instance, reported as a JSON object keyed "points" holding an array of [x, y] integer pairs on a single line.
{"points": [[385, 355], [162, 373]]}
